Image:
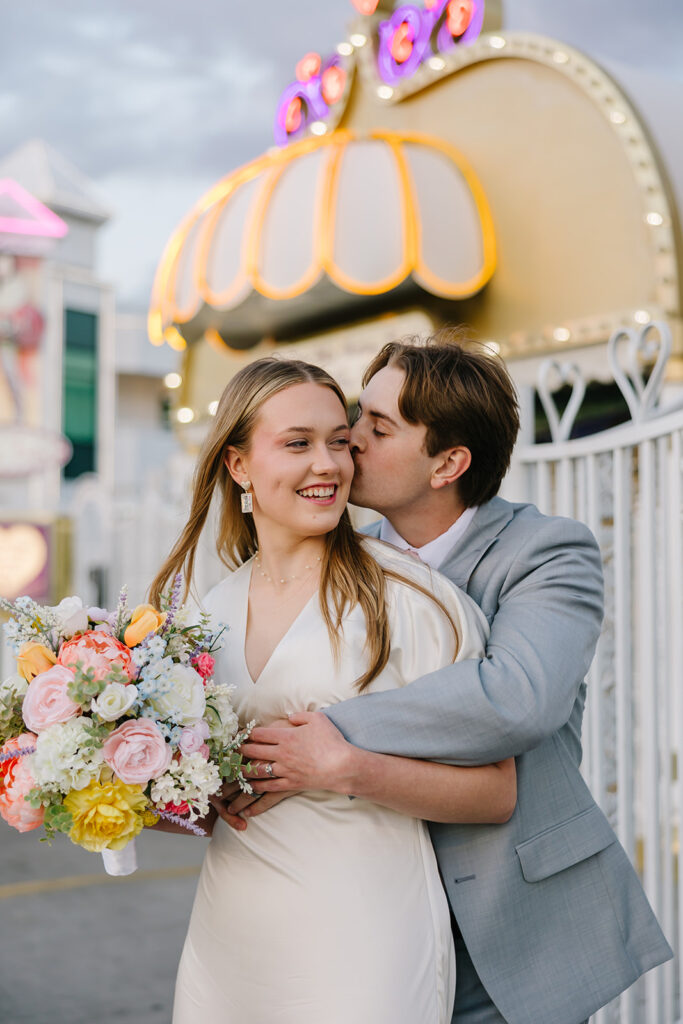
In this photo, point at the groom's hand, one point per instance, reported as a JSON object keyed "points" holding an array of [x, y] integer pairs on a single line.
{"points": [[312, 755]]}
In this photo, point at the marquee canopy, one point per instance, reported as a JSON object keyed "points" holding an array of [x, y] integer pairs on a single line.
{"points": [[324, 227]]}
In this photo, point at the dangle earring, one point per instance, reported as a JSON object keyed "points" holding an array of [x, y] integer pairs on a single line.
{"points": [[247, 500]]}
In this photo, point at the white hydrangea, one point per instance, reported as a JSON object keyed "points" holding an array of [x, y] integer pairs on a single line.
{"points": [[189, 780], [59, 763], [220, 714]]}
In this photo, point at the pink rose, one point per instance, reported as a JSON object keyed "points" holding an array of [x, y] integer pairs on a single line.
{"points": [[99, 651], [193, 739], [47, 702], [137, 751], [16, 782], [204, 664]]}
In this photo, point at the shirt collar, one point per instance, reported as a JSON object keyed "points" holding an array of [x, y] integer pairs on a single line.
{"points": [[435, 552]]}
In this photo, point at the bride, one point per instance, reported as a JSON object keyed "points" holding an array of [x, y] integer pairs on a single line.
{"points": [[328, 909]]}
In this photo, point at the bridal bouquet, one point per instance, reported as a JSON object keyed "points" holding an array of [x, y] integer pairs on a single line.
{"points": [[112, 721]]}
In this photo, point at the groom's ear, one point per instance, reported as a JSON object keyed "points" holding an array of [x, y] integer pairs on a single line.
{"points": [[450, 465], [235, 464]]}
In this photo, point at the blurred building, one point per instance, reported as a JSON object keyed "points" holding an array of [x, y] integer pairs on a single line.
{"points": [[82, 397]]}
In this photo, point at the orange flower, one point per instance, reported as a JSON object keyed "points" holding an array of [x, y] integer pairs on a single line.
{"points": [[97, 650], [33, 659], [146, 619]]}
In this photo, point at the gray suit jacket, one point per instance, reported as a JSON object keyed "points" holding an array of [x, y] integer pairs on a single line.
{"points": [[549, 906]]}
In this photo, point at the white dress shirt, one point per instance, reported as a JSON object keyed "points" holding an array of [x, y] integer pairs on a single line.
{"points": [[435, 552]]}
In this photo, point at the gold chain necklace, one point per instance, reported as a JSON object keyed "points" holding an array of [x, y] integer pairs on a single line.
{"points": [[287, 579]]}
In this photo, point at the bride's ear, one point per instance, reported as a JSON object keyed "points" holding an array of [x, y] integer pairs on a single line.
{"points": [[235, 464]]}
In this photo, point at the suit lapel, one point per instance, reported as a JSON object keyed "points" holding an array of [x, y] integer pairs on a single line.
{"points": [[462, 559]]}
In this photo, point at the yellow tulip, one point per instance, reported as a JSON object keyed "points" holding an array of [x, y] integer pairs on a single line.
{"points": [[105, 816], [34, 658], [146, 619]]}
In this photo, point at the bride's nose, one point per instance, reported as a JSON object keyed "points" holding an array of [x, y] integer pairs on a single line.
{"points": [[324, 462]]}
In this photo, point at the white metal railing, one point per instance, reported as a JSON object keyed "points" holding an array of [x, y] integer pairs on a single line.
{"points": [[626, 484]]}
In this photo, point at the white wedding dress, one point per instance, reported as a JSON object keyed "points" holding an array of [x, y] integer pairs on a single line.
{"points": [[325, 910]]}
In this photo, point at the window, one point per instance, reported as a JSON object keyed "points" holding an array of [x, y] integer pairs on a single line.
{"points": [[80, 390]]}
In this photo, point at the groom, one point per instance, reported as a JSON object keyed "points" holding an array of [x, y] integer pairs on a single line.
{"points": [[550, 920]]}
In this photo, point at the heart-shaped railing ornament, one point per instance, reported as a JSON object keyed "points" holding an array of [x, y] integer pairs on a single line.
{"points": [[626, 350], [567, 373]]}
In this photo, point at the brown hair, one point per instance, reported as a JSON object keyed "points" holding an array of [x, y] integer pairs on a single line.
{"points": [[349, 574], [464, 395]]}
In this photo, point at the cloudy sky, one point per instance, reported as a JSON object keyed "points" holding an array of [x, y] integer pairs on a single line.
{"points": [[154, 100]]}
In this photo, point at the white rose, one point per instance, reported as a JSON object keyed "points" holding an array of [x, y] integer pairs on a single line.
{"points": [[14, 685], [114, 701], [72, 617], [184, 702]]}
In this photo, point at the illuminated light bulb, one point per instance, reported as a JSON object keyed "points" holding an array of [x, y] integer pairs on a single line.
{"points": [[617, 117], [497, 42], [345, 49], [437, 63], [308, 67], [318, 127], [332, 84], [358, 39], [173, 380], [654, 218], [641, 316], [560, 57], [185, 414], [213, 408], [562, 334], [385, 92]]}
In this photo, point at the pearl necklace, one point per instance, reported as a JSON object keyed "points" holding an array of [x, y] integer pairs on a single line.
{"points": [[287, 579]]}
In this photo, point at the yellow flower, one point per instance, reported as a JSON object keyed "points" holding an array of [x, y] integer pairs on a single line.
{"points": [[105, 817], [149, 818], [146, 619], [33, 659]]}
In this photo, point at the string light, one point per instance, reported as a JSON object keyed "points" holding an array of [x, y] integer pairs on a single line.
{"points": [[617, 117], [185, 414], [497, 42], [560, 57], [358, 39], [213, 407], [345, 49], [318, 127], [654, 218], [562, 334], [437, 63], [385, 92], [641, 316], [173, 380]]}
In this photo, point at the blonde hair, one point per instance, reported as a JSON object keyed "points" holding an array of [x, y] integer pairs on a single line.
{"points": [[349, 574]]}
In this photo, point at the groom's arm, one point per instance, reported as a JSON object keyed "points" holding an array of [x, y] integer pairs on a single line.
{"points": [[542, 642]]}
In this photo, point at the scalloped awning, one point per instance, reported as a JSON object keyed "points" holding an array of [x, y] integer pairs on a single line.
{"points": [[321, 229]]}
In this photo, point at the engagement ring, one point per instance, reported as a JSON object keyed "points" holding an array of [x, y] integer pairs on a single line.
{"points": [[268, 769]]}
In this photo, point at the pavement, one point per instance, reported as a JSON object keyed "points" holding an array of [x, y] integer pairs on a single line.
{"points": [[80, 947]]}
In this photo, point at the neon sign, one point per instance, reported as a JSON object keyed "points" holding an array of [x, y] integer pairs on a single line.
{"points": [[403, 43], [318, 86], [413, 34], [40, 220]]}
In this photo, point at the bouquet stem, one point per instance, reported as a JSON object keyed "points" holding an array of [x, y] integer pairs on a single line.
{"points": [[121, 862]]}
